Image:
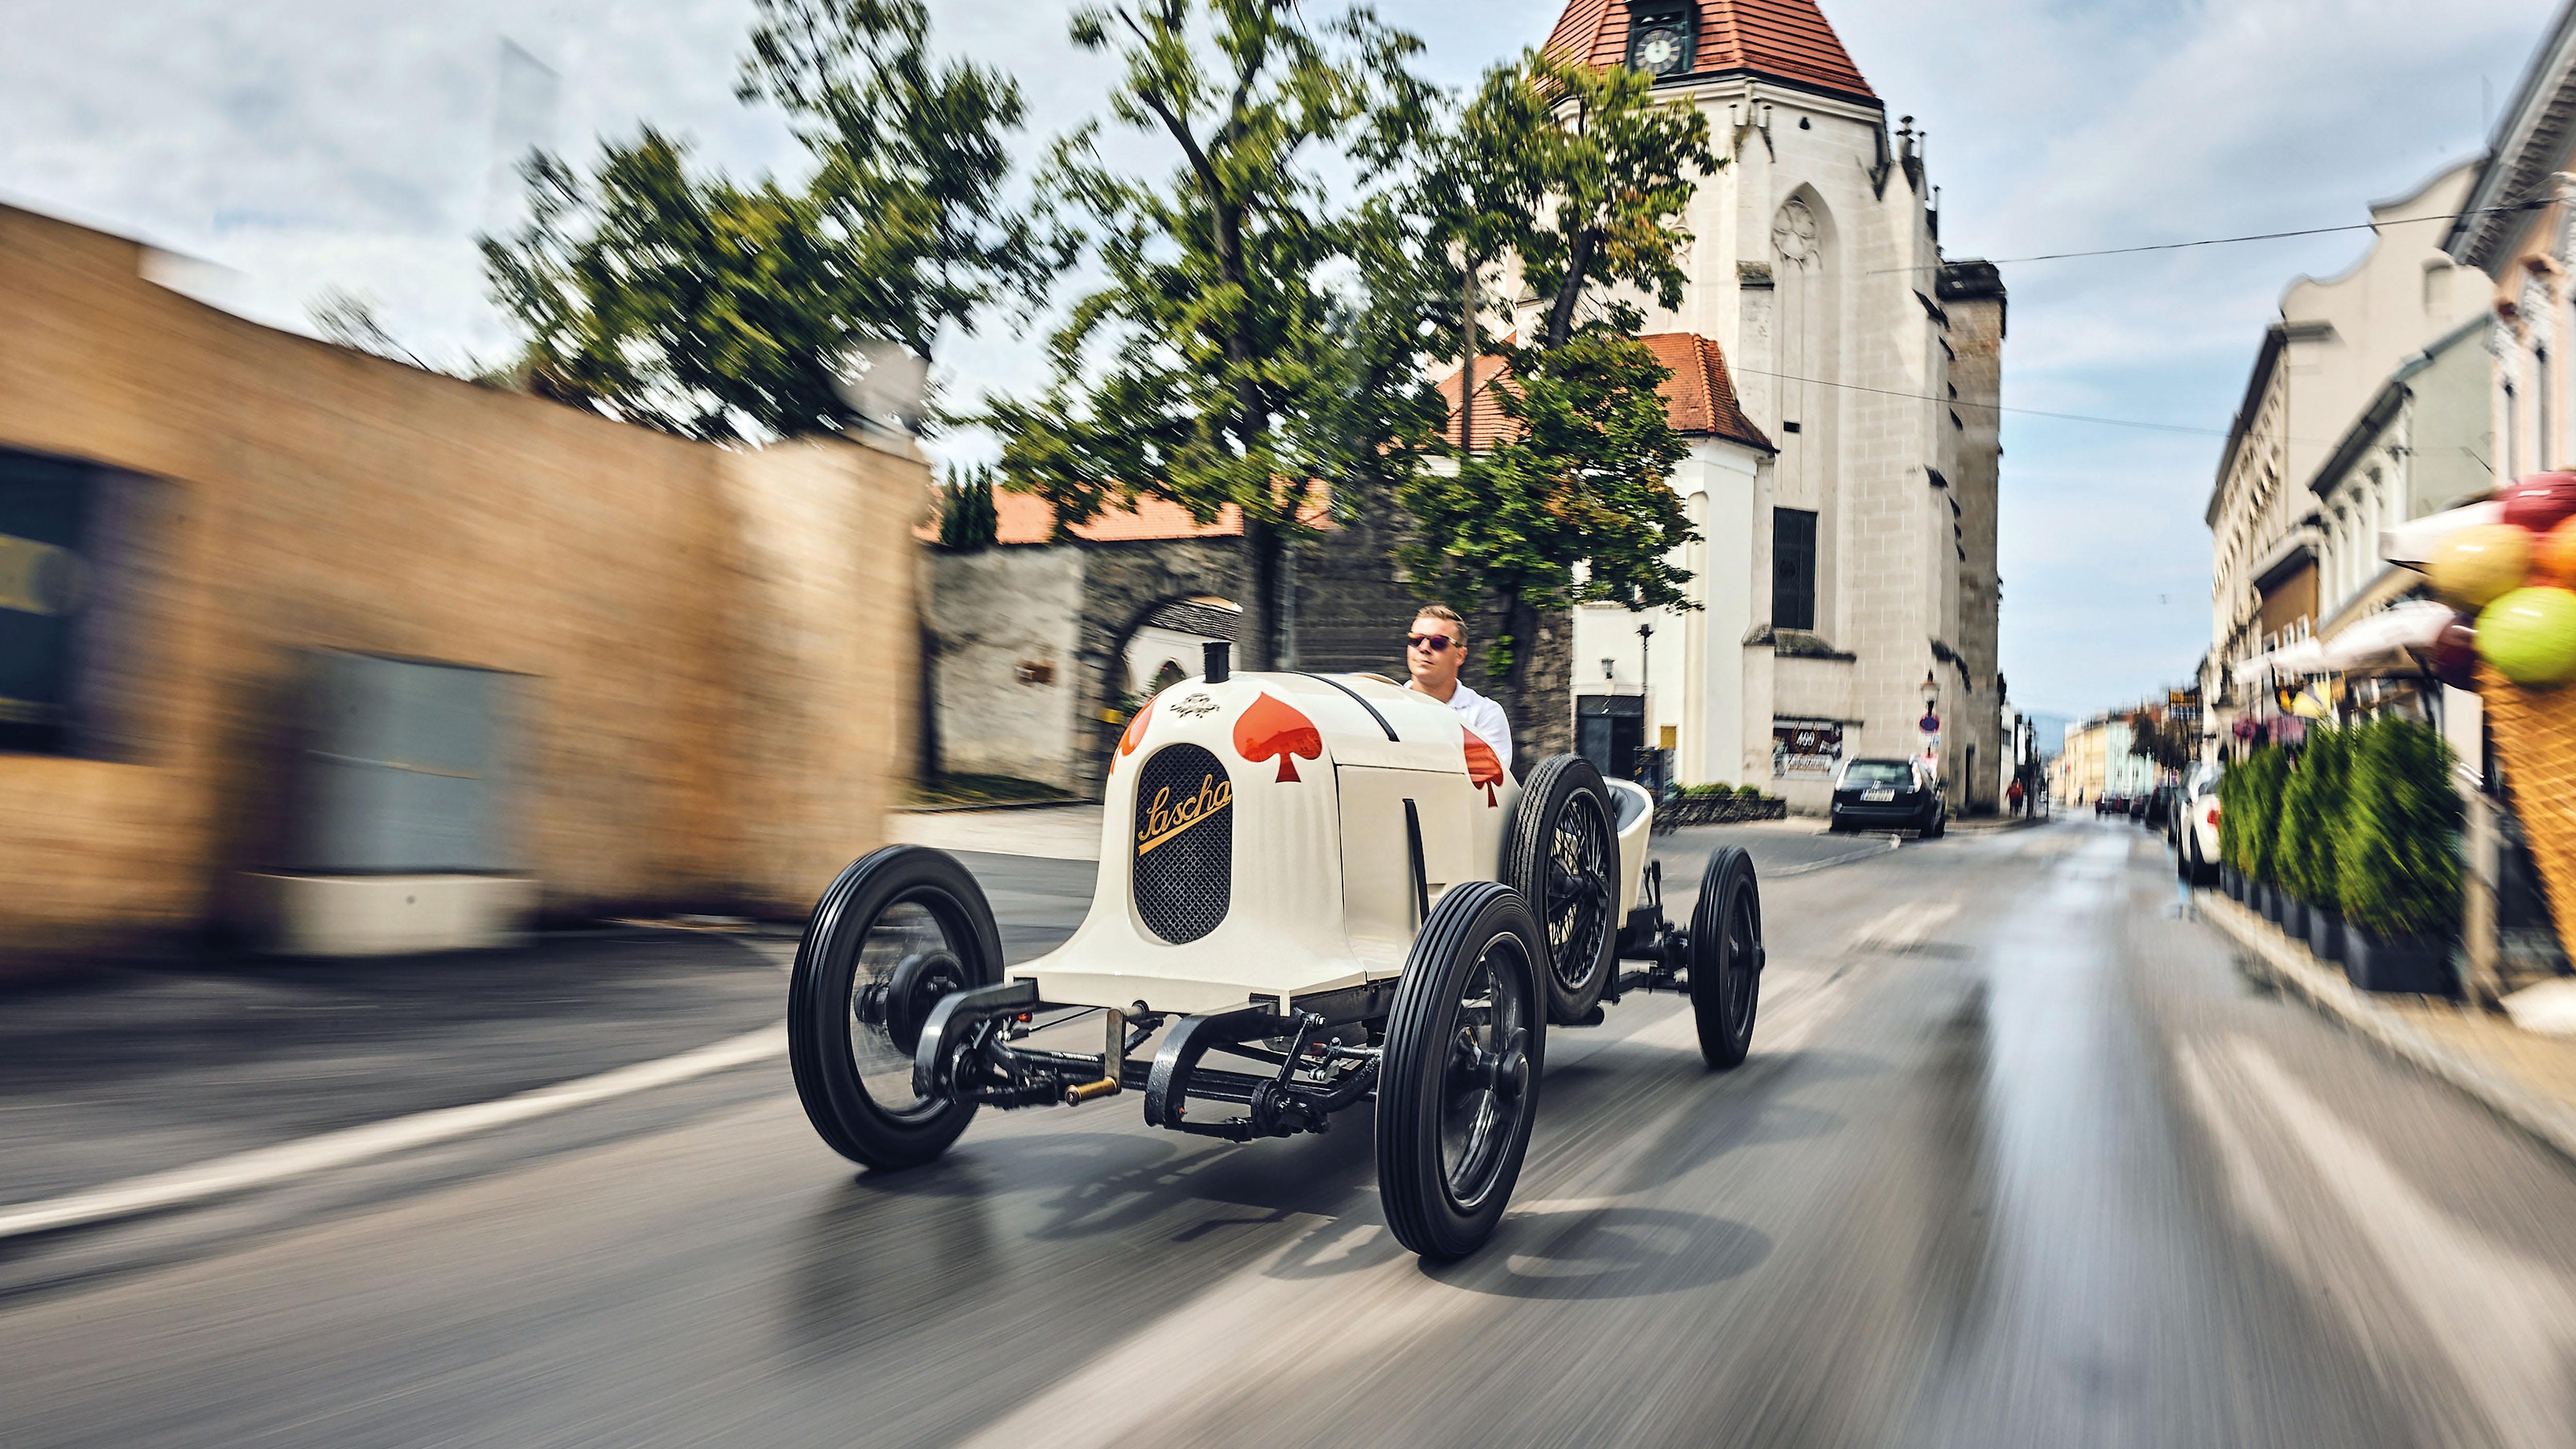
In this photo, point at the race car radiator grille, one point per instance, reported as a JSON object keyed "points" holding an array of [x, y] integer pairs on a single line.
{"points": [[1183, 848]]}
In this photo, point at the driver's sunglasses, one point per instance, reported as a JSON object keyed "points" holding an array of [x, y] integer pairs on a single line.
{"points": [[1433, 642]]}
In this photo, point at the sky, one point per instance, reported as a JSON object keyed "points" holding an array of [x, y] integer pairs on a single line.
{"points": [[292, 148]]}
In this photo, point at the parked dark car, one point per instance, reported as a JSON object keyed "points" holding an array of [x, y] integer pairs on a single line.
{"points": [[2110, 804], [2154, 809], [1889, 794]]}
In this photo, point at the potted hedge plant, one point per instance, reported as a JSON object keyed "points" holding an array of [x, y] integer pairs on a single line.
{"points": [[2259, 826], [2231, 867], [2299, 825], [2316, 802], [2397, 864]]}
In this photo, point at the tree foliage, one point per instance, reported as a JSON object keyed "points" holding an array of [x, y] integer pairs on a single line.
{"points": [[1581, 176], [1224, 361], [967, 518], [1573, 505], [2158, 736], [722, 310]]}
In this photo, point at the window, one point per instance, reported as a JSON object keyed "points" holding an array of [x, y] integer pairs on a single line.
{"points": [[2512, 435], [80, 578], [2546, 449], [1793, 568]]}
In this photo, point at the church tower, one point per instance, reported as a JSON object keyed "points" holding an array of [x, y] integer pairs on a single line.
{"points": [[1848, 580]]}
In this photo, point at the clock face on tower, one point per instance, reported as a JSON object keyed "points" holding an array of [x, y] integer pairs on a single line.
{"points": [[1660, 50]]}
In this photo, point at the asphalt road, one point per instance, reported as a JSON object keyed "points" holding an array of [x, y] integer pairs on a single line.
{"points": [[2020, 1158]]}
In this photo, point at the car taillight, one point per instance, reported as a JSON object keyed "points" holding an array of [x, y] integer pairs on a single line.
{"points": [[2213, 814]]}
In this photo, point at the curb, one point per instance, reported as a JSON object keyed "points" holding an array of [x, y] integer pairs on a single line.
{"points": [[2273, 956]]}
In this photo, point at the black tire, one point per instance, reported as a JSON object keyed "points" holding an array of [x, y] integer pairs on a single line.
{"points": [[1834, 826], [1726, 957], [892, 915], [1940, 822], [2197, 871], [1459, 1086], [1564, 860]]}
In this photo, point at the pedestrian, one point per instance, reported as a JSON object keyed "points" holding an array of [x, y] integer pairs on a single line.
{"points": [[2013, 794]]}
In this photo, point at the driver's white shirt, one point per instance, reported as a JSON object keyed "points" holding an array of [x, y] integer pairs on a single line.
{"points": [[1486, 718]]}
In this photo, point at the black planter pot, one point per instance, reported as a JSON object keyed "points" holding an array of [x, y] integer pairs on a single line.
{"points": [[2416, 964], [2232, 883], [2325, 934], [2268, 900], [2294, 917]]}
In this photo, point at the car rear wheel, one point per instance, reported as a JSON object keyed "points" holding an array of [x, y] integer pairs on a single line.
{"points": [[1726, 957], [899, 929], [1459, 1086], [1564, 861]]}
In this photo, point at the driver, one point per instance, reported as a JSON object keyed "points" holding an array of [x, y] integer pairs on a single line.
{"points": [[1434, 651]]}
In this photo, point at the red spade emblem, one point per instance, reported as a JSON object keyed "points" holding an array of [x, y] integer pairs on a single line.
{"points": [[1484, 767], [1135, 735], [1271, 727]]}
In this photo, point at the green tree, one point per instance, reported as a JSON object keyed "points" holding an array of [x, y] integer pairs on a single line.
{"points": [[1581, 175], [2160, 737], [1571, 505], [967, 520], [1222, 361], [720, 310]]}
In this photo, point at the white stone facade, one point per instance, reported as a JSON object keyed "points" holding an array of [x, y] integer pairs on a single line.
{"points": [[1816, 268]]}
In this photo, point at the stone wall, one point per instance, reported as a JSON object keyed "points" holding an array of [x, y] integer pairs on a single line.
{"points": [[1350, 616], [1005, 641], [719, 658]]}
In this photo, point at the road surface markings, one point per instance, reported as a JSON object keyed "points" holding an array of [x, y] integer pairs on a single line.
{"points": [[1338, 1328], [268, 1166], [2505, 1323], [1905, 927]]}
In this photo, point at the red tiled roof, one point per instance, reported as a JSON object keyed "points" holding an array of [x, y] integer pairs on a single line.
{"points": [[1024, 518], [1787, 39], [1699, 398]]}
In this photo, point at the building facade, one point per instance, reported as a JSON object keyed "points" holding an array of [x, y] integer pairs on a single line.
{"points": [[1846, 580], [2326, 361], [708, 649]]}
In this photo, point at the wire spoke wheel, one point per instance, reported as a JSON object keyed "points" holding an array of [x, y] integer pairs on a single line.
{"points": [[1459, 1087], [896, 932], [1563, 859], [1578, 889]]}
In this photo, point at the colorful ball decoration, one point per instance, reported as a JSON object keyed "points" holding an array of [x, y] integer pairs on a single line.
{"points": [[2529, 635], [2540, 502], [2455, 652], [2473, 567], [2553, 558]]}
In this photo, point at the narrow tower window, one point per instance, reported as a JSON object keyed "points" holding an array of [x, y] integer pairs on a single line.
{"points": [[1793, 568]]}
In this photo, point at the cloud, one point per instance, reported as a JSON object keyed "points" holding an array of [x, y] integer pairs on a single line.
{"points": [[308, 145]]}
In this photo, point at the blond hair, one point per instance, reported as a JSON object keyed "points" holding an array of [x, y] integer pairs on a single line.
{"points": [[1446, 615]]}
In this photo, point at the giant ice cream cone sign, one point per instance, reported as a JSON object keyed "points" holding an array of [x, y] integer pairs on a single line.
{"points": [[2514, 568]]}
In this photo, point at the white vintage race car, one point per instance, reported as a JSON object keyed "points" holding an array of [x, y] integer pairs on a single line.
{"points": [[1328, 881]]}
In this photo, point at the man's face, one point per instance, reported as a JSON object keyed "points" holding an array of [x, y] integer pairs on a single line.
{"points": [[1432, 653]]}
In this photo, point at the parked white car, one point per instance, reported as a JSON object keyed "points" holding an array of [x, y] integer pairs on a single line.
{"points": [[2195, 823]]}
